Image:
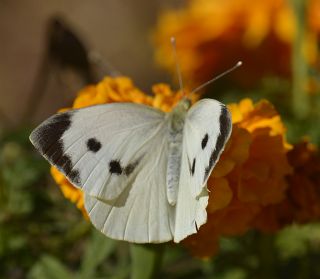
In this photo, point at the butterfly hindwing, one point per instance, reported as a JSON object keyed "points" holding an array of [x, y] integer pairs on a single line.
{"points": [[141, 213], [207, 129]]}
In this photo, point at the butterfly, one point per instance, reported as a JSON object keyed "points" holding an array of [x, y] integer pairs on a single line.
{"points": [[143, 172]]}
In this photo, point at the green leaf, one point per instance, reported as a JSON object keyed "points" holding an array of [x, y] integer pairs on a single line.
{"points": [[49, 268], [146, 260], [97, 250], [297, 240]]}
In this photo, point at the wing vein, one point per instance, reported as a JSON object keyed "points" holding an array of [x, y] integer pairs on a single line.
{"points": [[91, 209], [129, 216]]}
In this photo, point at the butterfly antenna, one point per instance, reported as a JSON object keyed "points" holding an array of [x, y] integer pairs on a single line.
{"points": [[174, 49], [239, 63]]}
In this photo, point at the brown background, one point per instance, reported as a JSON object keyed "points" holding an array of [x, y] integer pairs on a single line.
{"points": [[119, 30]]}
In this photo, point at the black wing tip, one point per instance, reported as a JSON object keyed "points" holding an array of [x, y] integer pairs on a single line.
{"points": [[46, 138], [50, 131], [225, 121]]}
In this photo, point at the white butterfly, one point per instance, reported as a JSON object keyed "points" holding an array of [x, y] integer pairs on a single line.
{"points": [[143, 172]]}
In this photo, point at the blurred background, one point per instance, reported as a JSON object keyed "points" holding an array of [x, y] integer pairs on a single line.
{"points": [[49, 50], [118, 32]]}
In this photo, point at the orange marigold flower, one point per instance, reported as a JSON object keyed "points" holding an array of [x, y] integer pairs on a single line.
{"points": [[249, 176], [212, 35], [121, 89], [302, 203]]}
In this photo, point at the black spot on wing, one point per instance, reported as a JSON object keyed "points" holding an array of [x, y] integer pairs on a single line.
{"points": [[47, 139], [115, 167], [225, 127], [131, 167], [93, 145], [204, 141], [193, 166]]}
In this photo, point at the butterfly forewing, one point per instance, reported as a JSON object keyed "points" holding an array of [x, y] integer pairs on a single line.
{"points": [[99, 148], [207, 128]]}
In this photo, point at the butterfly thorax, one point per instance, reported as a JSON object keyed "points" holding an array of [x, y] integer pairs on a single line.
{"points": [[176, 119]]}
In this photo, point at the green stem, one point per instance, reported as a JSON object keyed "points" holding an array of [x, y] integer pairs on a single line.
{"points": [[300, 100], [146, 260], [266, 256]]}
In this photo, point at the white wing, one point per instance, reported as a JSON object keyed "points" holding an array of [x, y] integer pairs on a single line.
{"points": [[141, 213], [88, 144], [117, 154], [207, 128]]}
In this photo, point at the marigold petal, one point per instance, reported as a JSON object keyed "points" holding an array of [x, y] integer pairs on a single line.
{"points": [[235, 219], [220, 194], [222, 168]]}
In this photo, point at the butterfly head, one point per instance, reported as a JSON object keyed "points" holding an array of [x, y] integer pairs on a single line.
{"points": [[182, 107], [185, 103]]}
